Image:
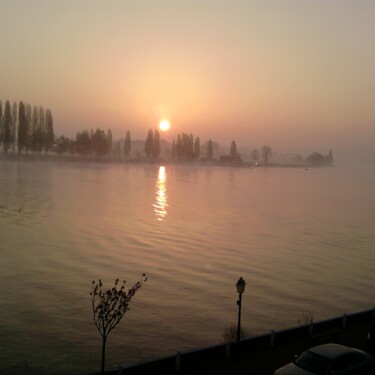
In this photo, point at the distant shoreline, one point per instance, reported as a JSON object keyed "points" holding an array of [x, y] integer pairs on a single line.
{"points": [[121, 160]]}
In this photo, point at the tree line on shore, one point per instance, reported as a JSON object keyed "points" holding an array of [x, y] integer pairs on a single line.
{"points": [[25, 128], [28, 129], [185, 147]]}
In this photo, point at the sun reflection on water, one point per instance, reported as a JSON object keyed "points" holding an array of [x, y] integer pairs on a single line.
{"points": [[160, 205]]}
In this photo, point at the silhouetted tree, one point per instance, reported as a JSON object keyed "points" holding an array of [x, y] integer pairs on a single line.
{"points": [[22, 127], [230, 333], [210, 149], [184, 147], [49, 138], [233, 150], [174, 152], [62, 145], [34, 129], [83, 143], [197, 148], [109, 141], [156, 145], [41, 130], [109, 307], [1, 122], [190, 147], [7, 126], [99, 143], [315, 158], [127, 144], [178, 147], [149, 143], [14, 125], [266, 152], [29, 127], [72, 146]]}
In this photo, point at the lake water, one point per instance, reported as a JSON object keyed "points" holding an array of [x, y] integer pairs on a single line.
{"points": [[303, 240]]}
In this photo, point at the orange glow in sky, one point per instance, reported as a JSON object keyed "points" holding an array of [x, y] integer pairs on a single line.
{"points": [[164, 125], [290, 74]]}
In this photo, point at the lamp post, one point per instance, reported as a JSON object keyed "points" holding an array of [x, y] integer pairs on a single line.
{"points": [[240, 289]]}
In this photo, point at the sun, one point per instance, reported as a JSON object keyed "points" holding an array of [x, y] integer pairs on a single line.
{"points": [[164, 125]]}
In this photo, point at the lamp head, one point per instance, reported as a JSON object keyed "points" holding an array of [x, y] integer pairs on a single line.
{"points": [[240, 285]]}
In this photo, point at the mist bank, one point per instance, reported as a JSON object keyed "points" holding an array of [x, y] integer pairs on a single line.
{"points": [[341, 157]]}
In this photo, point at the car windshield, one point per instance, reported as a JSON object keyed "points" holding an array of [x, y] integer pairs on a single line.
{"points": [[313, 362]]}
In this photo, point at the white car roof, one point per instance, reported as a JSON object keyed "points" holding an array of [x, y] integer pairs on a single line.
{"points": [[332, 350]]}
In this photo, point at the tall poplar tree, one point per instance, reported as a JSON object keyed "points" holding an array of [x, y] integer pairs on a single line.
{"points": [[156, 145], [127, 144], [22, 127], [197, 148], [7, 127], [14, 125], [149, 143], [179, 147], [29, 127], [233, 150], [49, 138], [1, 122], [190, 148], [41, 130], [34, 129], [174, 150]]}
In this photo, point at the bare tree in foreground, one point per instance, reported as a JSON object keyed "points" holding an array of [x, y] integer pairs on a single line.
{"points": [[109, 306], [230, 333]]}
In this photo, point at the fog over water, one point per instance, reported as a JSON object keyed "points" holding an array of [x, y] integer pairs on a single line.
{"points": [[302, 239]]}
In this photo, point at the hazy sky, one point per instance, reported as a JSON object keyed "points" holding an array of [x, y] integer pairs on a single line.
{"points": [[295, 74]]}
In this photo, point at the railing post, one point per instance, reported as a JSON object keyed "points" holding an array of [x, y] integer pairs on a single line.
{"points": [[227, 350], [272, 339], [178, 361], [344, 320], [311, 328]]}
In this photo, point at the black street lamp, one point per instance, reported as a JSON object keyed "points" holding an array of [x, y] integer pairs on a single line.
{"points": [[240, 289]]}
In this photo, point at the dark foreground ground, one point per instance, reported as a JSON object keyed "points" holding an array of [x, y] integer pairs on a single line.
{"points": [[262, 355]]}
